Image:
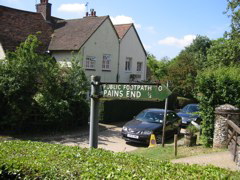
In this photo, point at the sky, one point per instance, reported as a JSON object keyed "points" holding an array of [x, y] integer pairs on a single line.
{"points": [[165, 27]]}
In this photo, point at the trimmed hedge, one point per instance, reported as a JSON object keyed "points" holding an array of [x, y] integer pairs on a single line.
{"points": [[216, 87], [124, 110], [36, 160]]}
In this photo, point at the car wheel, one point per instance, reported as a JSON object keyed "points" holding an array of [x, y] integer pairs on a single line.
{"points": [[159, 139]]}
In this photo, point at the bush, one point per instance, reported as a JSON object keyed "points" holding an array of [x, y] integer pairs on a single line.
{"points": [[216, 87], [191, 130], [34, 91], [35, 160]]}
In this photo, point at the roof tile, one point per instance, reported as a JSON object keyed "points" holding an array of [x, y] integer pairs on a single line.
{"points": [[122, 29], [16, 25], [72, 34]]}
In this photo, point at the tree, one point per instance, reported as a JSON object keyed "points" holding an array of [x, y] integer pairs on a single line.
{"points": [[22, 72], [158, 68], [199, 48], [224, 52], [181, 74], [183, 70], [35, 91], [233, 8]]}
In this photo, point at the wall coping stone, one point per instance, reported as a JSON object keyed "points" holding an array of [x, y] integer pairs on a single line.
{"points": [[227, 109]]}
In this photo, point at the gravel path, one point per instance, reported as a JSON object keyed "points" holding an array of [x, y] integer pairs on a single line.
{"points": [[220, 159]]}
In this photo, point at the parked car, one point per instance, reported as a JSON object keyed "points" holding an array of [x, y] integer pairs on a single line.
{"points": [[150, 121], [189, 113]]}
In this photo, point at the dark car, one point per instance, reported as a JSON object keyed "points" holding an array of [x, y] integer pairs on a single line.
{"points": [[150, 121], [190, 113]]}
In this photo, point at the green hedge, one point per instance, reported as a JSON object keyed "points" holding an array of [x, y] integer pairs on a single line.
{"points": [[216, 87], [36, 160], [124, 110]]}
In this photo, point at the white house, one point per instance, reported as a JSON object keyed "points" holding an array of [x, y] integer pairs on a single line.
{"points": [[113, 52], [132, 59], [95, 39]]}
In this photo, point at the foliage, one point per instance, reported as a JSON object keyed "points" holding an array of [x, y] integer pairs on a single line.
{"points": [[21, 74], [233, 8], [216, 87], [199, 48], [158, 68], [182, 70], [34, 91], [181, 73], [224, 52], [191, 130], [35, 160]]}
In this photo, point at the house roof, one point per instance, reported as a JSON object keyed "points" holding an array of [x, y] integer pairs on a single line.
{"points": [[72, 34], [122, 29], [16, 25]]}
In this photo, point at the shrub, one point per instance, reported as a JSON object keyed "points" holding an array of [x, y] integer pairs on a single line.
{"points": [[216, 87], [35, 93], [35, 160], [191, 130]]}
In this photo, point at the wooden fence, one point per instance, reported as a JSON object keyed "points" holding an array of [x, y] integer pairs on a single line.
{"points": [[233, 139]]}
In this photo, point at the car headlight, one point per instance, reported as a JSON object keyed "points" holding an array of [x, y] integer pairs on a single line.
{"points": [[146, 132], [124, 128]]}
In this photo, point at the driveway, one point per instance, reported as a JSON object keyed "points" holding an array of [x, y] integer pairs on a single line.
{"points": [[109, 139]]}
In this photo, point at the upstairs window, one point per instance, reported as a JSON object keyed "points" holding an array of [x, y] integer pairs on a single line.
{"points": [[106, 62], [90, 62], [128, 64], [139, 66]]}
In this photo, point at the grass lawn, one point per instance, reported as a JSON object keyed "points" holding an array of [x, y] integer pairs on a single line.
{"points": [[167, 152]]}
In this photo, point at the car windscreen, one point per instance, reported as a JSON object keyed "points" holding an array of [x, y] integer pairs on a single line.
{"points": [[150, 116], [190, 109]]}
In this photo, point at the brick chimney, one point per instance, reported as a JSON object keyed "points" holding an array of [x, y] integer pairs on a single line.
{"points": [[45, 9]]}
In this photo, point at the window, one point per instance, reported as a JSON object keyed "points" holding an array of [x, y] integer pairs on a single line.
{"points": [[128, 64], [139, 66], [106, 62], [90, 62]]}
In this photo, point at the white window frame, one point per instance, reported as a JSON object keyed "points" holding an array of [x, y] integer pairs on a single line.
{"points": [[90, 62], [106, 63], [128, 64], [139, 66]]}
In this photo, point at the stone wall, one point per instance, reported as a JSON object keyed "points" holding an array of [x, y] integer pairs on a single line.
{"points": [[223, 114]]}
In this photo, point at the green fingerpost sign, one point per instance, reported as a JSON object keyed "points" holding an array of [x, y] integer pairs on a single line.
{"points": [[136, 91]]}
